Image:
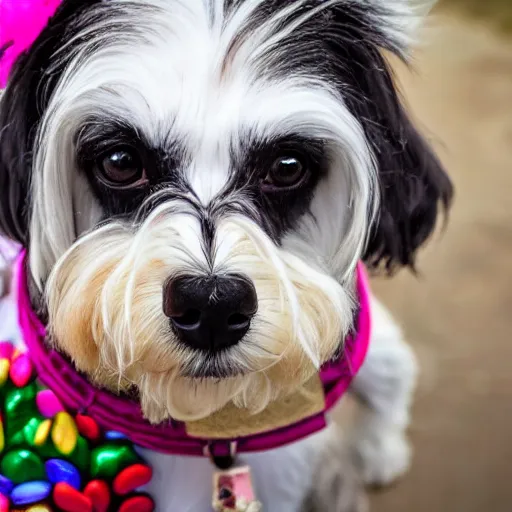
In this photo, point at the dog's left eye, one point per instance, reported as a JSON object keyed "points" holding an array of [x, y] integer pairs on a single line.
{"points": [[287, 171], [121, 168]]}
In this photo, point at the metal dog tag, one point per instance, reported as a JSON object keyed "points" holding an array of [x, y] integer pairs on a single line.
{"points": [[233, 491]]}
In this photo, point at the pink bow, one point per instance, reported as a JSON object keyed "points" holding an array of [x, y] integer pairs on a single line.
{"points": [[21, 21]]}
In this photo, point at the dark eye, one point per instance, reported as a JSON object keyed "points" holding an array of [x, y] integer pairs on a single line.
{"points": [[287, 171], [121, 168]]}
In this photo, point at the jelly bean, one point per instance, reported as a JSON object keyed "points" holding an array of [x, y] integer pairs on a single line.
{"points": [[99, 494], [58, 470], [48, 403], [21, 370], [6, 350], [64, 433], [5, 366], [81, 455], [22, 466], [2, 436], [6, 485], [109, 459], [30, 492], [70, 500], [5, 504], [131, 478], [42, 432], [137, 504], [30, 430], [38, 508], [114, 435], [87, 427], [19, 407]]}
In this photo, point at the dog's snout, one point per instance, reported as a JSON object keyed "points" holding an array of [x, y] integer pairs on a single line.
{"points": [[210, 312]]}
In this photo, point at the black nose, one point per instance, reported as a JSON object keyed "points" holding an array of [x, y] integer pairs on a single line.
{"points": [[210, 312]]}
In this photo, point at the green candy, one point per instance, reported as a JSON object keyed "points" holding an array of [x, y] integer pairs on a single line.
{"points": [[30, 429], [111, 458], [81, 455], [20, 408], [47, 450], [22, 466]]}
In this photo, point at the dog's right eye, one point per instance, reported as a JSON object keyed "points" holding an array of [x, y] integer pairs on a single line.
{"points": [[121, 168]]}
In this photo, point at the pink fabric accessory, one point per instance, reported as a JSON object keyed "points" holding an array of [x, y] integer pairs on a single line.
{"points": [[117, 413], [21, 21]]}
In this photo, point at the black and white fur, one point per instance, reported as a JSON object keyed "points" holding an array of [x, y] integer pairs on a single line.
{"points": [[209, 94]]}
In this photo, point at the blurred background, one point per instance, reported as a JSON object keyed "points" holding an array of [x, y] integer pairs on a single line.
{"points": [[458, 313]]}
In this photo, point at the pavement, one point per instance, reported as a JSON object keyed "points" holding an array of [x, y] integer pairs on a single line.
{"points": [[458, 313]]}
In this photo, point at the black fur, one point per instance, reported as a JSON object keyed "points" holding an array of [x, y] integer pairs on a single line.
{"points": [[413, 183], [21, 107]]}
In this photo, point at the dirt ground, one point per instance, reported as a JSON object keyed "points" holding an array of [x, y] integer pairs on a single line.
{"points": [[458, 315]]}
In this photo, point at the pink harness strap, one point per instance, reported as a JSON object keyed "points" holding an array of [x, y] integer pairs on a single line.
{"points": [[124, 415]]}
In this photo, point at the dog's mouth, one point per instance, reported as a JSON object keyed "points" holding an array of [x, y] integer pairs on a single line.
{"points": [[213, 365]]}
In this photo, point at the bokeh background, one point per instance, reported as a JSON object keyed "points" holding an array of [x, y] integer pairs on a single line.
{"points": [[458, 312]]}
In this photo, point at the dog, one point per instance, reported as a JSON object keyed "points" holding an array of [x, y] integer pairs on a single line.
{"points": [[195, 182]]}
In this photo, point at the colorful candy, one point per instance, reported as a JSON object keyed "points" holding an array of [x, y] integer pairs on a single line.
{"points": [[38, 508], [69, 499], [30, 492], [113, 435], [131, 478], [2, 436], [21, 466], [138, 504], [87, 427], [111, 458], [5, 366], [64, 433], [21, 370], [4, 503], [6, 350], [58, 470], [99, 494], [42, 432], [6, 485], [48, 403], [46, 453]]}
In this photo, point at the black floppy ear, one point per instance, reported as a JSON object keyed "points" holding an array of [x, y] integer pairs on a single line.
{"points": [[22, 104], [16, 119], [414, 187]]}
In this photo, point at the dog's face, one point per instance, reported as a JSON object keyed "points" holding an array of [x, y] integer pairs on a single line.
{"points": [[196, 180]]}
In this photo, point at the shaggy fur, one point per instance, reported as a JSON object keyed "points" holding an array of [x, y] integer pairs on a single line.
{"points": [[212, 103]]}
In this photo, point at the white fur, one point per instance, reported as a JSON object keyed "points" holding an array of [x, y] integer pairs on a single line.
{"points": [[168, 68], [384, 386]]}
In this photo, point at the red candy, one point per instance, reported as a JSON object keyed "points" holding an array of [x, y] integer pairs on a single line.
{"points": [[99, 494], [87, 427], [4, 503], [131, 478], [138, 504], [70, 500]]}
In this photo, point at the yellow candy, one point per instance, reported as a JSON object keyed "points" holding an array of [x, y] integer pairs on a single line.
{"points": [[64, 433], [5, 366], [42, 432], [2, 436], [38, 508]]}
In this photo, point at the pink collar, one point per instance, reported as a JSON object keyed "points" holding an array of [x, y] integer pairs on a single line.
{"points": [[123, 415]]}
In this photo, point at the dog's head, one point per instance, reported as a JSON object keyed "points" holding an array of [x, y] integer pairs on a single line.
{"points": [[196, 180]]}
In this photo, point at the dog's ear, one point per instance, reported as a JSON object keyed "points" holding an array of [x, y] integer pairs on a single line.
{"points": [[22, 104], [16, 120], [413, 184]]}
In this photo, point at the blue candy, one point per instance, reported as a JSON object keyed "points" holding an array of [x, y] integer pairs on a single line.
{"points": [[30, 492], [58, 470], [113, 435], [6, 485]]}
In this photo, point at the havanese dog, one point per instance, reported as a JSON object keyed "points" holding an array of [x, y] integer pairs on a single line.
{"points": [[195, 182]]}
